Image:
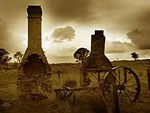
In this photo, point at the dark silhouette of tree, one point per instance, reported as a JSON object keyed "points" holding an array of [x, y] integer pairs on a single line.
{"points": [[134, 55], [6, 60], [81, 55], [18, 55], [3, 54]]}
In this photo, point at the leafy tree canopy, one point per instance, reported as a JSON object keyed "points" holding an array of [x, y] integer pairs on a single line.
{"points": [[81, 54], [4, 58], [18, 55], [134, 55]]}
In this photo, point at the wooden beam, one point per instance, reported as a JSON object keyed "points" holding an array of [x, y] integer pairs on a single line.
{"points": [[148, 78], [115, 101]]}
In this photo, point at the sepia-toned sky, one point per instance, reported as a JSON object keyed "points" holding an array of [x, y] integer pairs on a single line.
{"points": [[69, 24]]}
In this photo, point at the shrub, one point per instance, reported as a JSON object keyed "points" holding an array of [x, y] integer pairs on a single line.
{"points": [[70, 83]]}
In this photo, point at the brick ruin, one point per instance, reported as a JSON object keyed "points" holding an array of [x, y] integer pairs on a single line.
{"points": [[34, 80], [97, 62], [97, 59]]}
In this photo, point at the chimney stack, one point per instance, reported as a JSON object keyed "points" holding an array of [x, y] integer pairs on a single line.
{"points": [[34, 34], [34, 26], [97, 61], [98, 42], [34, 80]]}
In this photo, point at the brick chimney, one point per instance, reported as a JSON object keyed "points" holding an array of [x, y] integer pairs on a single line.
{"points": [[97, 60], [34, 33], [34, 80]]}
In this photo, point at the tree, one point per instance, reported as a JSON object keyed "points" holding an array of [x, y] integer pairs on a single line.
{"points": [[18, 55], [81, 55], [3, 54], [134, 55], [6, 59]]}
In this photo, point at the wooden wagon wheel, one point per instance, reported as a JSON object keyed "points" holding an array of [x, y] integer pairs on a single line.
{"points": [[67, 95], [128, 84]]}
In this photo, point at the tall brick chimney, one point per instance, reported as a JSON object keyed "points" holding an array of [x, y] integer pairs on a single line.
{"points": [[34, 80], [34, 26], [34, 33], [97, 60]]}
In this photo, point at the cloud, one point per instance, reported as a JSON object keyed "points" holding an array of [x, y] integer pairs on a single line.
{"points": [[81, 11], [8, 39], [141, 19], [141, 38], [61, 34], [144, 53], [95, 12], [115, 16], [61, 54], [68, 10], [119, 47], [3, 29], [140, 35], [19, 6]]}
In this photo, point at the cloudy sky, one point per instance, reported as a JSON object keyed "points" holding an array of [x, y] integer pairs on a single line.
{"points": [[69, 24]]}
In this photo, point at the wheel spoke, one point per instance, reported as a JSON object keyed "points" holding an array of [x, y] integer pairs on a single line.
{"points": [[119, 75], [127, 95], [94, 82], [130, 91], [115, 78], [130, 78], [131, 85], [127, 79]]}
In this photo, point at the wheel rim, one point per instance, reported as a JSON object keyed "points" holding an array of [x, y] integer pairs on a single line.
{"points": [[127, 82]]}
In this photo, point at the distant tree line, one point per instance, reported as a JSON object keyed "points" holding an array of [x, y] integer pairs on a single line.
{"points": [[81, 55], [5, 58]]}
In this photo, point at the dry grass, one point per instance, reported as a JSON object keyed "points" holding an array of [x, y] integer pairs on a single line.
{"points": [[70, 83], [85, 105], [8, 85], [8, 93]]}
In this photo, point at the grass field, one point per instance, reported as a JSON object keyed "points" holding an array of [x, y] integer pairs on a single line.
{"points": [[8, 92]]}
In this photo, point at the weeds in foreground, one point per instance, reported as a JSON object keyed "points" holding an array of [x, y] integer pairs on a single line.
{"points": [[70, 83], [86, 104]]}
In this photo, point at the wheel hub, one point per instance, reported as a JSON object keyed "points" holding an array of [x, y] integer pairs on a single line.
{"points": [[121, 87]]}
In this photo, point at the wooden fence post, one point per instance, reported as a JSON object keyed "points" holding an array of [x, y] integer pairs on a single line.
{"points": [[99, 79], [115, 102], [148, 77]]}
